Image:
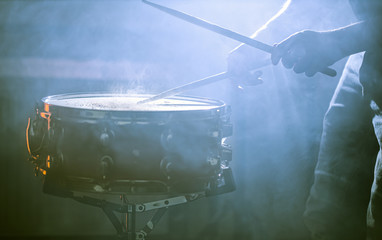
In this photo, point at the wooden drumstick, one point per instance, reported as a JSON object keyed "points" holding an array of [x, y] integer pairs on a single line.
{"points": [[186, 87], [225, 32]]}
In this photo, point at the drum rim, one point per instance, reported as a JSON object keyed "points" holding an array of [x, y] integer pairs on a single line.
{"points": [[217, 107]]}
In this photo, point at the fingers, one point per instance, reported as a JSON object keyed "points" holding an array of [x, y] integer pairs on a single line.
{"points": [[276, 55], [302, 65], [283, 49], [297, 53], [307, 66], [288, 61], [291, 58], [310, 73]]}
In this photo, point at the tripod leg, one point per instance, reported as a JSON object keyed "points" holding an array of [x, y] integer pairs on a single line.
{"points": [[153, 221], [113, 219], [131, 221]]}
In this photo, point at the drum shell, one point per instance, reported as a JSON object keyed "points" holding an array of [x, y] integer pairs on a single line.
{"points": [[135, 151], [102, 148]]}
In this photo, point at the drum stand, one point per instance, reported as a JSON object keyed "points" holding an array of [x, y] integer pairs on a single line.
{"points": [[126, 229]]}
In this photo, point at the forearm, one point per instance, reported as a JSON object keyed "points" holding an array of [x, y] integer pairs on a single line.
{"points": [[353, 38]]}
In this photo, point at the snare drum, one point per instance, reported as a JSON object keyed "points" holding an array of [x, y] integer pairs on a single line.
{"points": [[106, 143]]}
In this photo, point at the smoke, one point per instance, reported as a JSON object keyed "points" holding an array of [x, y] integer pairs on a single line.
{"points": [[53, 47]]}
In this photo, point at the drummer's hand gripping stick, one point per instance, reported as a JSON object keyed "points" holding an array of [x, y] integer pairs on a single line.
{"points": [[225, 32], [215, 28]]}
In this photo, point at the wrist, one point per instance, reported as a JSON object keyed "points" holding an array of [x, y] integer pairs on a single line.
{"points": [[352, 39]]}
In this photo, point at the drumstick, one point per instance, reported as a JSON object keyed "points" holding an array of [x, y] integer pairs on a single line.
{"points": [[225, 32], [189, 86]]}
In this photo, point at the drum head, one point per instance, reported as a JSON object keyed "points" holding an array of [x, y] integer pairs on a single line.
{"points": [[95, 105]]}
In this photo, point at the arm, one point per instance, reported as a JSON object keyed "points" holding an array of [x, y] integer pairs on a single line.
{"points": [[309, 51], [293, 16]]}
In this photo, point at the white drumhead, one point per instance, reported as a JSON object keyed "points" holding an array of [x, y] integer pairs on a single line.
{"points": [[125, 102]]}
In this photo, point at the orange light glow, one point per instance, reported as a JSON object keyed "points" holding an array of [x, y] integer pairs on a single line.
{"points": [[29, 123], [48, 161], [46, 115], [46, 107], [43, 171]]}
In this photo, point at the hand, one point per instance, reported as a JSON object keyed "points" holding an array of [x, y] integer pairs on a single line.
{"points": [[307, 52]]}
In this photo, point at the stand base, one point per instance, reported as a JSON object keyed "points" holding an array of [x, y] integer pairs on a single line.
{"points": [[126, 228]]}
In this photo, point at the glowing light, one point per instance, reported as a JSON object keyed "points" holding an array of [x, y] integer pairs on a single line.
{"points": [[46, 107], [27, 137], [46, 115], [43, 171], [281, 11], [48, 161]]}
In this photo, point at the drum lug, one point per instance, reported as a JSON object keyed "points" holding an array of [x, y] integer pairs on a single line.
{"points": [[226, 152], [166, 166], [106, 166], [166, 138], [224, 184], [227, 130], [105, 137], [213, 161]]}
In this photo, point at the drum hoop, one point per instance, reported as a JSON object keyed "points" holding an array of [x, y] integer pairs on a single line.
{"points": [[131, 116]]}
